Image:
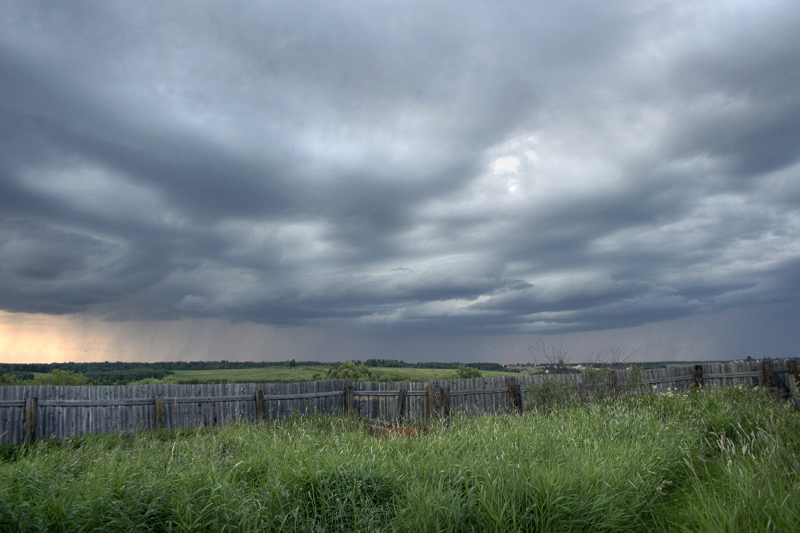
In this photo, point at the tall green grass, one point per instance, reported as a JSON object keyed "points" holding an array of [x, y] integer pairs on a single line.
{"points": [[721, 461]]}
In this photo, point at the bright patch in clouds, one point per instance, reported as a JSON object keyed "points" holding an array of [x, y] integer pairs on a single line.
{"points": [[506, 164]]}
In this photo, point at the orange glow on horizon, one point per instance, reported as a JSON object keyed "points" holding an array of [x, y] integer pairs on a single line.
{"points": [[39, 338]]}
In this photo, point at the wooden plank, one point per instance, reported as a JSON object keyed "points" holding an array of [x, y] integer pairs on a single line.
{"points": [[159, 414], [348, 399], [223, 409], [375, 403], [31, 411], [430, 401], [171, 410], [697, 376], [486, 401], [201, 408], [481, 399], [67, 419], [260, 407], [400, 404], [767, 366], [465, 400], [792, 366], [791, 383], [514, 395], [445, 412], [84, 413]]}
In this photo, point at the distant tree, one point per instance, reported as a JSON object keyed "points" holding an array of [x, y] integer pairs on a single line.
{"points": [[354, 370], [494, 367], [62, 377], [385, 363], [467, 372], [9, 379]]}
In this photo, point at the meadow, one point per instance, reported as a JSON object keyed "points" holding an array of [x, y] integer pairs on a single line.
{"points": [[723, 460], [234, 372], [311, 373]]}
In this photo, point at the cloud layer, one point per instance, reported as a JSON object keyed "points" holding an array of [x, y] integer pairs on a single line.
{"points": [[408, 168]]}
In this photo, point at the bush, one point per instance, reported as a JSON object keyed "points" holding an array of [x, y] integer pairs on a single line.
{"points": [[353, 370], [467, 372], [62, 377]]}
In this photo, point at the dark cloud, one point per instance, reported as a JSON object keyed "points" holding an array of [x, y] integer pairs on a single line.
{"points": [[434, 168]]}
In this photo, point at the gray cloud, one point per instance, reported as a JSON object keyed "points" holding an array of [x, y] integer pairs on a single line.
{"points": [[437, 168]]}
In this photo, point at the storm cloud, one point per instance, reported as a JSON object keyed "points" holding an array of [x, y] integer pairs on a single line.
{"points": [[402, 168]]}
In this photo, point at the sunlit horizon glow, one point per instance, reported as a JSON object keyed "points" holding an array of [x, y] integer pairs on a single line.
{"points": [[36, 338]]}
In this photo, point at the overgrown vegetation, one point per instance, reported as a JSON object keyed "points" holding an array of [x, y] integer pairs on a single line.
{"points": [[711, 461]]}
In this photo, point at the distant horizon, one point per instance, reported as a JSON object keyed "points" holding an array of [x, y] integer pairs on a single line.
{"points": [[307, 362]]}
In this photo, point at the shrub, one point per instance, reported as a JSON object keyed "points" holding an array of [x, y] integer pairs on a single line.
{"points": [[354, 370], [62, 377], [467, 372]]}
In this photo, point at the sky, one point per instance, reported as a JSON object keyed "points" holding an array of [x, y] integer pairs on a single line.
{"points": [[426, 181]]}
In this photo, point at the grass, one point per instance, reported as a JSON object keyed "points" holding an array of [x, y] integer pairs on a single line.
{"points": [[312, 373], [712, 461], [250, 375]]}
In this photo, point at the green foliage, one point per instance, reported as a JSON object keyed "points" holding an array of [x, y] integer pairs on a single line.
{"points": [[354, 370], [467, 372], [9, 452], [15, 377], [9, 379], [110, 377], [62, 377], [385, 363]]}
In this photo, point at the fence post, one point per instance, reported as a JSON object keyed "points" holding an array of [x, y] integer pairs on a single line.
{"points": [[430, 409], [445, 412], [400, 404], [31, 408], [260, 410], [767, 365], [514, 394], [697, 376], [159, 411], [792, 384], [793, 369], [348, 399]]}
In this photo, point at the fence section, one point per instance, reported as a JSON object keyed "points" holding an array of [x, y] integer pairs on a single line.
{"points": [[60, 412], [30, 412]]}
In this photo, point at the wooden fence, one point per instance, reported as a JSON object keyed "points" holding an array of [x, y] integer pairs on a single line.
{"points": [[46, 411]]}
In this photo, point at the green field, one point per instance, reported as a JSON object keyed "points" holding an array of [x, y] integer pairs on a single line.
{"points": [[308, 373], [247, 375], [712, 461]]}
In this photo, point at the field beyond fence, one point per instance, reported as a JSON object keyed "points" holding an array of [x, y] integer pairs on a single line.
{"points": [[35, 412]]}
